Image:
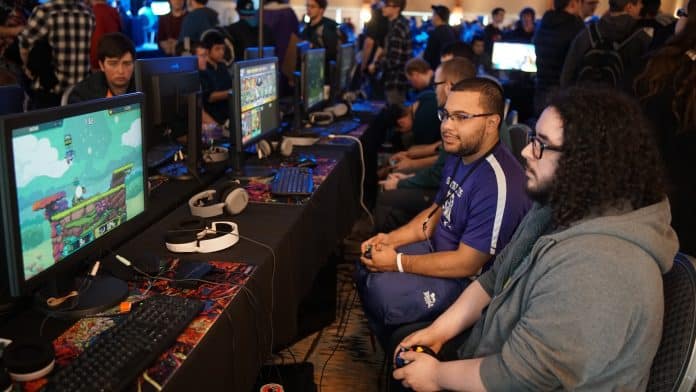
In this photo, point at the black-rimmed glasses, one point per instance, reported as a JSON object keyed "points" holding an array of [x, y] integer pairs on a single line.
{"points": [[538, 146], [444, 115], [435, 84]]}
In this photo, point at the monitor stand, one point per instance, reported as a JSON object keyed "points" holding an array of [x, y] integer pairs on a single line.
{"points": [[243, 171], [96, 295]]}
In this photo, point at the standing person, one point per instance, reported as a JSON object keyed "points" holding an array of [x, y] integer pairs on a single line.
{"points": [[588, 9], [375, 31], [281, 19], [524, 27], [60, 30], [556, 32], [441, 36], [575, 301], [170, 27], [245, 32], [494, 31], [321, 32], [199, 19], [395, 53], [107, 20], [666, 91]]}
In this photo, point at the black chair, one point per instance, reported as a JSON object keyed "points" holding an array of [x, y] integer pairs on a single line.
{"points": [[517, 136], [674, 366], [11, 99]]}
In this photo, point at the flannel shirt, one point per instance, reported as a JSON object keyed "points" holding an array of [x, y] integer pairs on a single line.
{"points": [[397, 51], [68, 26]]}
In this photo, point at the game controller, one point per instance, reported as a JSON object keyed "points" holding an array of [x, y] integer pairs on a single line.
{"points": [[368, 252], [400, 362]]}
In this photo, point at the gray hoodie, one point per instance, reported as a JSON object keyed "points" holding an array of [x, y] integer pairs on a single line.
{"points": [[583, 311]]}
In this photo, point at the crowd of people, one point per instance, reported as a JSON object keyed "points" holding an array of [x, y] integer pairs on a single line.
{"points": [[537, 271]]}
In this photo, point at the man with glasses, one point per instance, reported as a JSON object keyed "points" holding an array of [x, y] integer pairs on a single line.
{"points": [[397, 49], [321, 32], [416, 271], [575, 300]]}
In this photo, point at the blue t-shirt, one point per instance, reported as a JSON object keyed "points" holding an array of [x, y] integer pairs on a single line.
{"points": [[485, 210]]}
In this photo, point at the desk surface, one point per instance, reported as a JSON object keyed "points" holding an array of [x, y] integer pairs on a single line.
{"points": [[301, 236]]}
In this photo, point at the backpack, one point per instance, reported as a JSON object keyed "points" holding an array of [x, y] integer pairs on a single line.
{"points": [[603, 62]]}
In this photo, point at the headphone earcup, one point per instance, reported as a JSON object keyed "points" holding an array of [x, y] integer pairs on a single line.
{"points": [[263, 148], [286, 147], [338, 110], [235, 198]]}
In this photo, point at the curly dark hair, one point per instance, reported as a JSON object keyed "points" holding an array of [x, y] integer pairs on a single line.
{"points": [[609, 155]]}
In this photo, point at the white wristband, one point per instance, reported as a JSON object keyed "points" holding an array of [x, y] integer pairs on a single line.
{"points": [[399, 266]]}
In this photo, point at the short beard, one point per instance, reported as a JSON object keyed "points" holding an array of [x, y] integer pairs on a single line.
{"points": [[540, 195]]}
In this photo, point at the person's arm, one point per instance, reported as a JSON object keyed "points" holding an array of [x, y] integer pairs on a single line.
{"points": [[462, 262], [36, 28], [410, 165], [217, 96], [10, 31], [424, 150], [368, 45], [409, 233]]}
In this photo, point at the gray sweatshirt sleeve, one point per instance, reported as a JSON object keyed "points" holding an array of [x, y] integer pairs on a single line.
{"points": [[587, 313]]}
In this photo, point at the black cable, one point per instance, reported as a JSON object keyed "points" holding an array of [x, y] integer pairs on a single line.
{"points": [[340, 335]]}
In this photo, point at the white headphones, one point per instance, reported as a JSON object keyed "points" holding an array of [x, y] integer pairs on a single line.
{"points": [[231, 198], [328, 115], [215, 154], [264, 149], [197, 237]]}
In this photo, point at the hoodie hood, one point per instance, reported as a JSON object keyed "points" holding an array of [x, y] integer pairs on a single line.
{"points": [[647, 228], [617, 27]]}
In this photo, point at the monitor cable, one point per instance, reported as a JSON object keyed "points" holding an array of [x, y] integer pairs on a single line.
{"points": [[362, 173]]}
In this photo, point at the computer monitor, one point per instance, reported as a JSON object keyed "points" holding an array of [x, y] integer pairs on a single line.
{"points": [[511, 56], [172, 107], [72, 183], [313, 79], [255, 111], [11, 99], [344, 66], [252, 53]]}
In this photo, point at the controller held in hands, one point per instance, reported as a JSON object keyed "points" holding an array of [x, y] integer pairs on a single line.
{"points": [[400, 362]]}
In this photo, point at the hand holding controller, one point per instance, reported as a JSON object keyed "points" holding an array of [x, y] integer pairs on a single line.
{"points": [[400, 362]]}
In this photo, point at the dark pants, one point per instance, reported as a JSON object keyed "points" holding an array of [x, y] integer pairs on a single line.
{"points": [[374, 136], [397, 207]]}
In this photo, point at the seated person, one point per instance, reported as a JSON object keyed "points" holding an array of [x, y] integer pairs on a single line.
{"points": [[201, 52], [215, 80], [575, 300], [419, 75], [417, 270], [456, 49], [115, 54]]}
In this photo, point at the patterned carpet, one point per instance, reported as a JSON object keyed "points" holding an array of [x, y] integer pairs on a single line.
{"points": [[343, 355]]}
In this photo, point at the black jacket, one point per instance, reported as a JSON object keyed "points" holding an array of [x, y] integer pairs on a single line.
{"points": [[440, 37], [553, 37], [93, 87], [243, 35]]}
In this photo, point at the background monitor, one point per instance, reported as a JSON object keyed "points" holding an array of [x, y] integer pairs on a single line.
{"points": [[172, 108], [252, 53], [511, 56], [345, 61], [255, 110], [74, 177], [11, 99], [313, 79]]}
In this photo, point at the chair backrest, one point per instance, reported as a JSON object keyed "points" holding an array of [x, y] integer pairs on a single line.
{"points": [[65, 98], [517, 134], [674, 366], [11, 99]]}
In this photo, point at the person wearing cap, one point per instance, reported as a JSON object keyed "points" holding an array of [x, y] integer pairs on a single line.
{"points": [[441, 36], [244, 32], [321, 32]]}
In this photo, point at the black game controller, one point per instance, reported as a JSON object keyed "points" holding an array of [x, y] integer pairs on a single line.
{"points": [[368, 252], [400, 362]]}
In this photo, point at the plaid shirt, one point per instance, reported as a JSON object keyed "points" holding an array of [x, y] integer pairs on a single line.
{"points": [[68, 25], [397, 51]]}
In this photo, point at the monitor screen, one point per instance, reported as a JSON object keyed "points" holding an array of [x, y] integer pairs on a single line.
{"points": [[313, 78], [345, 66], [257, 110], [514, 56], [253, 52], [74, 174]]}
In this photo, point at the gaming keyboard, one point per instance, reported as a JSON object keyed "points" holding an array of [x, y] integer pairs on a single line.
{"points": [[341, 127], [120, 354], [292, 181]]}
